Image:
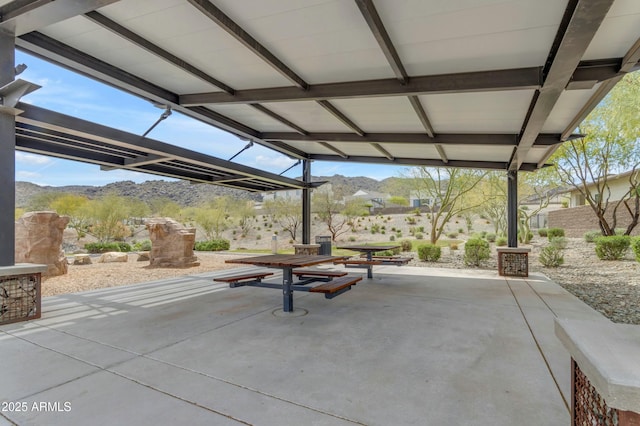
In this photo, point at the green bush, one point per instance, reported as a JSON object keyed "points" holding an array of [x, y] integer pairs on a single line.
{"points": [[542, 232], [406, 245], [612, 247], [475, 251], [105, 247], [525, 240], [558, 242], [452, 235], [491, 237], [501, 241], [212, 245], [144, 245], [590, 236], [555, 232], [392, 238], [635, 245], [551, 256], [429, 252], [419, 236]]}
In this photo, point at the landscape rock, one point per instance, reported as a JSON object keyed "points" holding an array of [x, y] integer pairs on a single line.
{"points": [[82, 259], [113, 256], [39, 240], [143, 256], [171, 244]]}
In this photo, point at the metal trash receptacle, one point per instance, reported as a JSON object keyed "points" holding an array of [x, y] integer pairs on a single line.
{"points": [[325, 244]]}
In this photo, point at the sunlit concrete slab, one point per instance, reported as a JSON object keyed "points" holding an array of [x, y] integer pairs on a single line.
{"points": [[409, 346]]}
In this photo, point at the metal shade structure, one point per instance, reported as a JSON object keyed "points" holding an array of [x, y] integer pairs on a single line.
{"points": [[482, 84]]}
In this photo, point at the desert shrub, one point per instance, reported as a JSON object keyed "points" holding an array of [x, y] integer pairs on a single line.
{"points": [[453, 246], [392, 238], [635, 245], [590, 236], [491, 237], [528, 238], [460, 230], [452, 235], [475, 251], [501, 241], [419, 236], [555, 232], [551, 256], [558, 242], [542, 232], [212, 245], [352, 238], [144, 245], [429, 252], [405, 245], [612, 247], [105, 247]]}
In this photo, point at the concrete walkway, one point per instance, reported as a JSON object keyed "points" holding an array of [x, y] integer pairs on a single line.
{"points": [[412, 346]]}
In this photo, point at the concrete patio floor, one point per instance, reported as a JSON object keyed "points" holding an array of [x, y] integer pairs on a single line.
{"points": [[422, 346]]}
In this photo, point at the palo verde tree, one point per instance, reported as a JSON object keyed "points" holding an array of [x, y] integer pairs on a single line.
{"points": [[534, 194], [107, 216], [336, 214], [494, 207], [449, 191], [74, 206], [611, 146]]}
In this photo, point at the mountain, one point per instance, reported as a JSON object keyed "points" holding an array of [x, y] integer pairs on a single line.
{"points": [[183, 192]]}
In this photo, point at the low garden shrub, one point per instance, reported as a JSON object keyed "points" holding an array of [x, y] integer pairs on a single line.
{"points": [[558, 242], [501, 241], [105, 247], [429, 252], [542, 232], [613, 247], [475, 251], [551, 256], [491, 237], [555, 232], [635, 245], [144, 245], [406, 245], [212, 245], [590, 236]]}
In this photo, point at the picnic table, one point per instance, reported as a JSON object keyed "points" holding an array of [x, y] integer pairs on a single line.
{"points": [[287, 263], [370, 259]]}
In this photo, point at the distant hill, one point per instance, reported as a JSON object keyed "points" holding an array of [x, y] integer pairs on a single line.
{"points": [[183, 192]]}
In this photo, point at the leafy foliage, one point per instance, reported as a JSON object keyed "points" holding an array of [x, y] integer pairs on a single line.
{"points": [[476, 250], [213, 245], [429, 252], [635, 245], [590, 236], [612, 247], [555, 232], [551, 256], [102, 247]]}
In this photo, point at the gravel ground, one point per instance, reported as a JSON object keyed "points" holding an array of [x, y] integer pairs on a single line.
{"points": [[611, 287]]}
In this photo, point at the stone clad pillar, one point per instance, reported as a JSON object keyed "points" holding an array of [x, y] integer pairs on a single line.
{"points": [[171, 244], [39, 240]]}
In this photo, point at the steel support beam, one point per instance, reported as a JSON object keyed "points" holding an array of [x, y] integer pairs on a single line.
{"points": [[22, 17], [512, 208], [7, 157], [478, 81], [444, 139], [581, 22], [306, 203]]}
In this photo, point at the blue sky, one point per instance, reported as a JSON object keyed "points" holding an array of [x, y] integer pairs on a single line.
{"points": [[69, 93]]}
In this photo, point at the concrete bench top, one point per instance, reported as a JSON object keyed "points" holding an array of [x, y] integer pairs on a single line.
{"points": [[607, 353], [22, 269], [513, 249]]}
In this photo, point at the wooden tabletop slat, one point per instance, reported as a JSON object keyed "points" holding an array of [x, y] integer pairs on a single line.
{"points": [[285, 260]]}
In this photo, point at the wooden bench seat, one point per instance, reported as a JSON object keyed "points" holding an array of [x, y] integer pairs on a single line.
{"points": [[396, 260], [318, 273], [335, 287], [358, 262], [237, 280]]}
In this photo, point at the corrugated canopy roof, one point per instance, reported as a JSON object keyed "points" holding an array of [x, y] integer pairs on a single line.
{"points": [[473, 83]]}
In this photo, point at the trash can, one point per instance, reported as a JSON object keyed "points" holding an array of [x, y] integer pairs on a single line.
{"points": [[325, 244]]}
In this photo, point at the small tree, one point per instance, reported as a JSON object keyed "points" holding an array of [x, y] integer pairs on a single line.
{"points": [[74, 206], [287, 213], [450, 192], [107, 216]]}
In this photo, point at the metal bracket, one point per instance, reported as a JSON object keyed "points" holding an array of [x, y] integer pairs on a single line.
{"points": [[11, 93]]}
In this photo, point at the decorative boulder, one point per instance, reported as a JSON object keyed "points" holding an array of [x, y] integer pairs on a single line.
{"points": [[39, 240], [171, 244], [82, 259], [143, 256], [113, 256]]}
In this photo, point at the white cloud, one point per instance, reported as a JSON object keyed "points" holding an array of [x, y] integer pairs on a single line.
{"points": [[28, 176], [32, 159], [273, 162]]}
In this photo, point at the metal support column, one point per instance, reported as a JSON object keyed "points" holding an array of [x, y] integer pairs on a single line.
{"points": [[7, 157], [306, 203], [512, 208]]}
